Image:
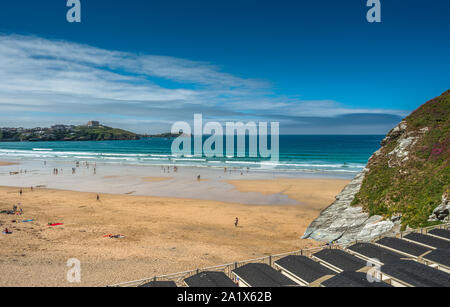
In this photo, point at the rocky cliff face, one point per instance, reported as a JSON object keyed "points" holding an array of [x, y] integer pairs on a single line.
{"points": [[405, 183]]}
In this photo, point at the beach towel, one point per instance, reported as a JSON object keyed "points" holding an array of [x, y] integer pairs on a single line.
{"points": [[27, 221], [56, 224], [7, 233]]}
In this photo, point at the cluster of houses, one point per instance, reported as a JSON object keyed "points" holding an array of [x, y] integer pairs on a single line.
{"points": [[16, 134]]}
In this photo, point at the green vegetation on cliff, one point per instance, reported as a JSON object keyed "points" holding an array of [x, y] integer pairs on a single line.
{"points": [[65, 133], [411, 171], [102, 133]]}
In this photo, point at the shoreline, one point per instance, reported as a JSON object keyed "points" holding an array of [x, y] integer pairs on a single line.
{"points": [[158, 181]]}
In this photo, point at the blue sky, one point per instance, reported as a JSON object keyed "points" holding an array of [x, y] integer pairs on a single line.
{"points": [[318, 67]]}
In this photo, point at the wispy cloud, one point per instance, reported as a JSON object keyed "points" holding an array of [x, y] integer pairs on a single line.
{"points": [[46, 81]]}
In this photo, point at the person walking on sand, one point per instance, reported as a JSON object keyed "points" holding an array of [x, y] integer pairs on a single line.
{"points": [[236, 222], [98, 197], [20, 192]]}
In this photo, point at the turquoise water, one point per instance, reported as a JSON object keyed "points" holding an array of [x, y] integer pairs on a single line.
{"points": [[345, 154]]}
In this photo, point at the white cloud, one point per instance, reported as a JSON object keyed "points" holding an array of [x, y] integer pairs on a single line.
{"points": [[48, 79]]}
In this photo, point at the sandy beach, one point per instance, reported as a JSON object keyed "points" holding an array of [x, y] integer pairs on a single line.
{"points": [[162, 234]]}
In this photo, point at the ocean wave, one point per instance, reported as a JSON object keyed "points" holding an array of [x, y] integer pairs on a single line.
{"points": [[193, 160], [188, 160]]}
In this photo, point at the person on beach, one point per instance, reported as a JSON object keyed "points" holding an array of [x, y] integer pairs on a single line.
{"points": [[198, 178], [236, 222], [20, 192], [98, 197]]}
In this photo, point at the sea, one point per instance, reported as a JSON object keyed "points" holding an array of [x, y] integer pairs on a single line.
{"points": [[298, 153]]}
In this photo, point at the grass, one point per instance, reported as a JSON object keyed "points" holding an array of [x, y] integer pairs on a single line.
{"points": [[414, 188]]}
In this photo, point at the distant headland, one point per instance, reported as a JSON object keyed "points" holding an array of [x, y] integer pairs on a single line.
{"points": [[92, 131]]}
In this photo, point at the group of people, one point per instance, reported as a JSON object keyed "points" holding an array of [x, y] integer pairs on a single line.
{"points": [[17, 210], [225, 170], [17, 173], [167, 170], [57, 171]]}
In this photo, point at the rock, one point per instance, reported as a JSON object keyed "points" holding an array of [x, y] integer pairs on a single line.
{"points": [[396, 218], [395, 133], [400, 152], [344, 223], [441, 213], [377, 229]]}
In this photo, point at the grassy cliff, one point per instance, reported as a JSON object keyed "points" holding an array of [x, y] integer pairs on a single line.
{"points": [[409, 174], [101, 133], [65, 133]]}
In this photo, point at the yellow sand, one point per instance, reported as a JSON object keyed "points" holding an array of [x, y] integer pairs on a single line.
{"points": [[7, 163], [163, 235]]}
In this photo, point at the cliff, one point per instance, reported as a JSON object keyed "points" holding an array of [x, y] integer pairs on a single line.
{"points": [[405, 183], [65, 133]]}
